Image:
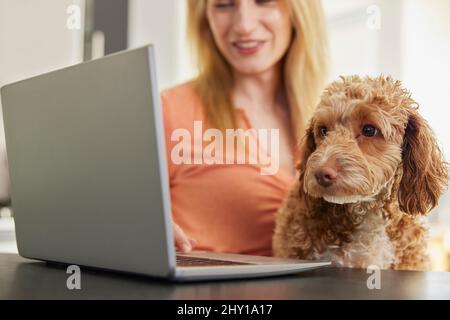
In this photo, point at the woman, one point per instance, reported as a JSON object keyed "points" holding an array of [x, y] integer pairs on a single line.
{"points": [[262, 66]]}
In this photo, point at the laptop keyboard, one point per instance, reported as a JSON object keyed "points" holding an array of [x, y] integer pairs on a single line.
{"points": [[184, 261]]}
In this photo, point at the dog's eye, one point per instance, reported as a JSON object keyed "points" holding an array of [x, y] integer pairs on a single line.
{"points": [[369, 131], [323, 130]]}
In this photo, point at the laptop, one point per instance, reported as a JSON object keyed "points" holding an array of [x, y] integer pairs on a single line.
{"points": [[89, 178]]}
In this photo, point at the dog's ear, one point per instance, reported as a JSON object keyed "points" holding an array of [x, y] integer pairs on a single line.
{"points": [[307, 147], [425, 173]]}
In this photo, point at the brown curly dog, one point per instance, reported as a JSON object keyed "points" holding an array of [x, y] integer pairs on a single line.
{"points": [[371, 170]]}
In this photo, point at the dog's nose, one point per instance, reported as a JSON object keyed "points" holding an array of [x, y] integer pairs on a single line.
{"points": [[325, 176]]}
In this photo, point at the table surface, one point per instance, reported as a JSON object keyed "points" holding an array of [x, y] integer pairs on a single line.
{"points": [[27, 279]]}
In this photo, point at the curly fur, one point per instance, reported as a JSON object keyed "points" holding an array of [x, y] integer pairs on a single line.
{"points": [[373, 213]]}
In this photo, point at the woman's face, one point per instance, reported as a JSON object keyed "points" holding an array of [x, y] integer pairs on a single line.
{"points": [[252, 35]]}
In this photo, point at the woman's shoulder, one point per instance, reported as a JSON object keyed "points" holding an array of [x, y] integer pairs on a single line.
{"points": [[181, 104], [181, 95]]}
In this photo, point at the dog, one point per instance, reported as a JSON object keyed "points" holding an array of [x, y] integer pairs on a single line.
{"points": [[371, 170]]}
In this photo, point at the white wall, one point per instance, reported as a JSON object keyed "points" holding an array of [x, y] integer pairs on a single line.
{"points": [[356, 46], [34, 39], [161, 23]]}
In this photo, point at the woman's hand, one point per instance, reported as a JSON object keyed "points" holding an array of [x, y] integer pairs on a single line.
{"points": [[182, 242]]}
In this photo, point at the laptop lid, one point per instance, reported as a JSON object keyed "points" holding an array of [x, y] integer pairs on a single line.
{"points": [[88, 168]]}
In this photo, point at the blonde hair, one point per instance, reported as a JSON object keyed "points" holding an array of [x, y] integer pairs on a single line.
{"points": [[305, 64]]}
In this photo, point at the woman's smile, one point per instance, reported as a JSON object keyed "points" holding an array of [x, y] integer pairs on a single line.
{"points": [[248, 47]]}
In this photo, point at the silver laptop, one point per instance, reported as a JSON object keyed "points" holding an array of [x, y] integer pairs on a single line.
{"points": [[89, 178]]}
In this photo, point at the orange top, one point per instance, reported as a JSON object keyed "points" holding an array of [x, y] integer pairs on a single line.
{"points": [[225, 207]]}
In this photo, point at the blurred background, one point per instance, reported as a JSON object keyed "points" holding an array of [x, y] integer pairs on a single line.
{"points": [[408, 39]]}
